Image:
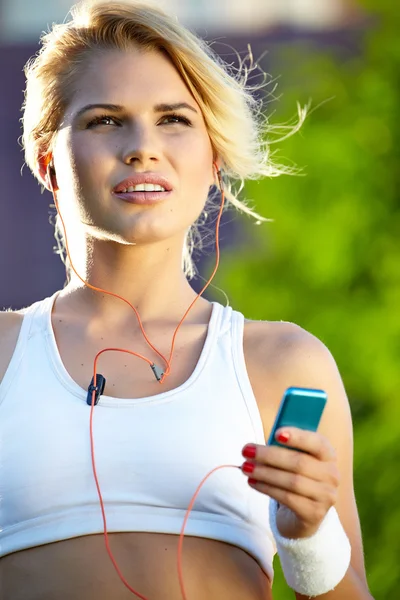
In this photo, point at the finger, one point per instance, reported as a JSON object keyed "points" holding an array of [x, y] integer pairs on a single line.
{"points": [[304, 508], [292, 482], [312, 442], [297, 462]]}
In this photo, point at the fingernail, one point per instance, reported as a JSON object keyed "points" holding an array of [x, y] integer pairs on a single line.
{"points": [[249, 451], [283, 437], [252, 481], [248, 467]]}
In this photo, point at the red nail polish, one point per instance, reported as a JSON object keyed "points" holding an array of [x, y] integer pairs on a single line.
{"points": [[248, 467], [252, 481], [249, 451], [283, 437]]}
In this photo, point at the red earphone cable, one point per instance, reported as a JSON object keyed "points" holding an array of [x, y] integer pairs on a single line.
{"points": [[164, 375]]}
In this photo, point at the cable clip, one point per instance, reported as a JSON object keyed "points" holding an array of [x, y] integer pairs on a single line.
{"points": [[99, 389], [157, 372]]}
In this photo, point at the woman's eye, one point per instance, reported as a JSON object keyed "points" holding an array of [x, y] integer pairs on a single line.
{"points": [[167, 119], [177, 119], [97, 120]]}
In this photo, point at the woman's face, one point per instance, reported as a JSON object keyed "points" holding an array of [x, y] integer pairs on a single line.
{"points": [[93, 152]]}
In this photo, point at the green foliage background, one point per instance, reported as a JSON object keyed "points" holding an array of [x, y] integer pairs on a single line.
{"points": [[330, 261]]}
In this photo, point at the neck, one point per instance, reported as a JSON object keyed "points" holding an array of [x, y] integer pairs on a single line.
{"points": [[150, 277]]}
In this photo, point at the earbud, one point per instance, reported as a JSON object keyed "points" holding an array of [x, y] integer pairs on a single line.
{"points": [[51, 175]]}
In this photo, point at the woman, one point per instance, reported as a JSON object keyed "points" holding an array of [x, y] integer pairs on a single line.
{"points": [[124, 96]]}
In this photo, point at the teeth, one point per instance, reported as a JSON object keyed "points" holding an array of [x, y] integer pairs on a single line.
{"points": [[143, 187]]}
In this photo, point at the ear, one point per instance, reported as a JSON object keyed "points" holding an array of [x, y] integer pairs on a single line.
{"points": [[45, 172]]}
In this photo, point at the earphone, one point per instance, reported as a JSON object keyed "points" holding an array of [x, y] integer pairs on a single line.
{"points": [[96, 386]]}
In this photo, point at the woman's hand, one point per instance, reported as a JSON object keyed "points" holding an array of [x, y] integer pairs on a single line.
{"points": [[304, 483]]}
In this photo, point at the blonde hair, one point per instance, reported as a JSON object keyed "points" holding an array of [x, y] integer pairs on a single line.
{"points": [[237, 128]]}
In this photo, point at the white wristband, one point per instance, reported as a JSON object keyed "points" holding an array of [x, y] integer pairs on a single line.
{"points": [[315, 565]]}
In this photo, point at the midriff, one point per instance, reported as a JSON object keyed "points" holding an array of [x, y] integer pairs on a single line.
{"points": [[81, 569]]}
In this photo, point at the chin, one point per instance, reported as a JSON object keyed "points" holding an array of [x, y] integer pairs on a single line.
{"points": [[150, 229], [136, 236]]}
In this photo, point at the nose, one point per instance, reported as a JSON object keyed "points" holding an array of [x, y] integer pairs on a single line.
{"points": [[141, 145]]}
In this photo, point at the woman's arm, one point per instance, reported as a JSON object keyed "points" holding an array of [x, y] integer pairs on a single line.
{"points": [[315, 367], [302, 360]]}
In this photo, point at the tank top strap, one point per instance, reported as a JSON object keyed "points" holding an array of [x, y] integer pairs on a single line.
{"points": [[237, 333], [224, 319], [25, 332], [39, 314]]}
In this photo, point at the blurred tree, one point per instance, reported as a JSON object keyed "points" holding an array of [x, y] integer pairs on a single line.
{"points": [[330, 261]]}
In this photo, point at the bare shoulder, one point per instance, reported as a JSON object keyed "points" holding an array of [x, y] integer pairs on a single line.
{"points": [[10, 326], [283, 340], [281, 354], [287, 352]]}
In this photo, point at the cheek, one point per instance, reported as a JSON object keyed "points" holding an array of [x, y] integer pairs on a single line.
{"points": [[75, 178], [75, 160], [196, 159], [82, 158], [90, 167]]}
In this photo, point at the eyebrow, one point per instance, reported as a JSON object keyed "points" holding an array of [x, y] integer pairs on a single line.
{"points": [[158, 108]]}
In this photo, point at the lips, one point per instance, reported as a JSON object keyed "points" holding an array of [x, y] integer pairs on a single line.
{"points": [[138, 178]]}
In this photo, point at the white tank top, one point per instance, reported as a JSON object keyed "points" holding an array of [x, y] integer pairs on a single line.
{"points": [[151, 453]]}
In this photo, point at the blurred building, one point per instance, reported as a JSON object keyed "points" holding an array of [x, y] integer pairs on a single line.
{"points": [[23, 20]]}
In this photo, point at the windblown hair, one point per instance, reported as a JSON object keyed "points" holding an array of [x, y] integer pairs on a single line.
{"points": [[237, 127]]}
